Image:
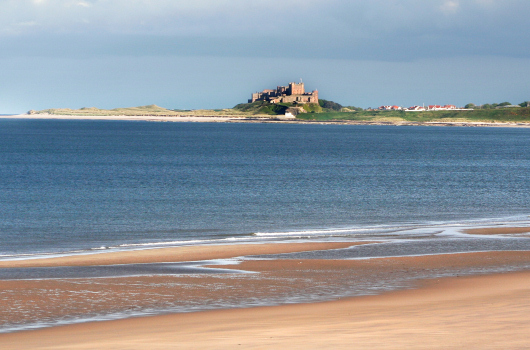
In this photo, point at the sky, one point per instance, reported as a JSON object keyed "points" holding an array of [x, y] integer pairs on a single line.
{"points": [[183, 54]]}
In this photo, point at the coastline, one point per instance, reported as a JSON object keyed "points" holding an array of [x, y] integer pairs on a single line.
{"points": [[487, 311], [270, 302], [260, 119]]}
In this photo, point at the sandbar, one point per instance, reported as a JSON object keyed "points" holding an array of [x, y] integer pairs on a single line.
{"points": [[498, 231], [176, 254]]}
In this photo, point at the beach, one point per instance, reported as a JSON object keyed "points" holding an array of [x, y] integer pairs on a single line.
{"points": [[153, 118], [488, 312], [260, 119], [418, 309], [199, 175], [124, 235]]}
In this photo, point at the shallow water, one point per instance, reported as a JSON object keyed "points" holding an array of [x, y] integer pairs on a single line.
{"points": [[104, 271]]}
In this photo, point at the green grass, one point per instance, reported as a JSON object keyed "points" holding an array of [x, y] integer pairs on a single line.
{"points": [[262, 107], [314, 112], [478, 115], [312, 108]]}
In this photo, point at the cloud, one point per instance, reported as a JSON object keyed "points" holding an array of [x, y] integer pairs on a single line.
{"points": [[450, 6], [173, 82], [486, 2], [133, 52], [377, 29], [84, 4], [28, 24]]}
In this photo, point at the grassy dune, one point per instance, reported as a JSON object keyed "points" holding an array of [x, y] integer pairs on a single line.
{"points": [[519, 115], [151, 110]]}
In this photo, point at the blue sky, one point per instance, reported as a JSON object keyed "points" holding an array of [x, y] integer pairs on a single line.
{"points": [[215, 53]]}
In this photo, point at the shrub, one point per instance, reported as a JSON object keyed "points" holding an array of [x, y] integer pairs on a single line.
{"points": [[329, 105]]}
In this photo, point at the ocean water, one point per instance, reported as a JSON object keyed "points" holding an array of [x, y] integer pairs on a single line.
{"points": [[78, 186]]}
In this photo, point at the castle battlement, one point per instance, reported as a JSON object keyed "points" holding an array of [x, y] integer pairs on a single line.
{"points": [[293, 93]]}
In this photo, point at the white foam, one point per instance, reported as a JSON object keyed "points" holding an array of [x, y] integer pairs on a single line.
{"points": [[356, 233]]}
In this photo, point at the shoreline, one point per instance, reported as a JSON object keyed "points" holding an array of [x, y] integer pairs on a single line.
{"points": [[256, 282], [259, 119], [487, 311]]}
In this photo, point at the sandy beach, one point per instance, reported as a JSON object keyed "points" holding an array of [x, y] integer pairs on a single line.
{"points": [[487, 312], [426, 311], [153, 118], [261, 119]]}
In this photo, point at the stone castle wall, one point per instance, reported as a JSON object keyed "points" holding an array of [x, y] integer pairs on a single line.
{"points": [[294, 93]]}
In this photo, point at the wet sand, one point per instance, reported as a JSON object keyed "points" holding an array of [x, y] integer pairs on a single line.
{"points": [[475, 312], [176, 254], [498, 231], [486, 312]]}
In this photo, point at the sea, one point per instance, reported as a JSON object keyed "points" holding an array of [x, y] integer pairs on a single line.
{"points": [[72, 187]]}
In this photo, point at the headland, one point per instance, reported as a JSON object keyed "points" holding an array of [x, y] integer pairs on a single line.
{"points": [[205, 116], [292, 104]]}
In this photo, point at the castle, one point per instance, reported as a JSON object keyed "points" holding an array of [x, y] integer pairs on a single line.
{"points": [[294, 93]]}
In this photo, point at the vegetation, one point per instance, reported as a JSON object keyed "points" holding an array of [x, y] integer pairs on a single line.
{"points": [[263, 107], [92, 111], [150, 110], [352, 109], [477, 115], [495, 105], [330, 105], [324, 111], [312, 108]]}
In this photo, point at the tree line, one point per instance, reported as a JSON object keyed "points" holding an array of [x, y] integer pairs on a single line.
{"points": [[495, 105]]}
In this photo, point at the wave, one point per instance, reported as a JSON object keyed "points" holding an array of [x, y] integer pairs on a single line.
{"points": [[402, 228], [358, 232]]}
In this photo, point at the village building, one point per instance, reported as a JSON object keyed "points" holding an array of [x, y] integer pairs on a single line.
{"points": [[441, 108], [432, 108], [416, 108], [390, 108], [293, 93]]}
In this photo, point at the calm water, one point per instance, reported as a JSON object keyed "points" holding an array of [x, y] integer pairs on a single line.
{"points": [[78, 185]]}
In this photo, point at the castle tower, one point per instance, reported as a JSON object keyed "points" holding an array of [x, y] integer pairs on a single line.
{"points": [[296, 89], [315, 96]]}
